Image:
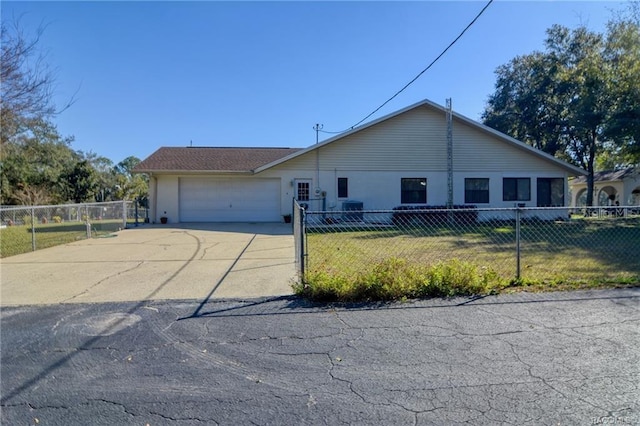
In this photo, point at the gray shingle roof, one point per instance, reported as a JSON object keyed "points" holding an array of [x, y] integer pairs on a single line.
{"points": [[607, 175], [211, 159]]}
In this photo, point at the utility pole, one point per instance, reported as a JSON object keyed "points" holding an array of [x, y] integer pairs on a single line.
{"points": [[317, 128]]}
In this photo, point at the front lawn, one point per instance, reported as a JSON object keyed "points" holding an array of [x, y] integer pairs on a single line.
{"points": [[472, 259], [17, 239]]}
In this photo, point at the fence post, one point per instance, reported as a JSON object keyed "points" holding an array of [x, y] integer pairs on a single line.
{"points": [[518, 216], [303, 232], [124, 214], [88, 223], [33, 229]]}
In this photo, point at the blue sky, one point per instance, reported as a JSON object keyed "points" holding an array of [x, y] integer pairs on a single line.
{"points": [[151, 74]]}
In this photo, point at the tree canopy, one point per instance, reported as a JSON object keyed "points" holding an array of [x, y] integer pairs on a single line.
{"points": [[578, 99], [37, 164]]}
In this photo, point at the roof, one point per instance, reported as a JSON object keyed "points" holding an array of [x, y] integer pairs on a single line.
{"points": [[210, 159], [608, 175], [255, 160], [571, 169]]}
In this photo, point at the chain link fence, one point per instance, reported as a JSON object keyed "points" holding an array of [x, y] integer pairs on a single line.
{"points": [[29, 228], [558, 245]]}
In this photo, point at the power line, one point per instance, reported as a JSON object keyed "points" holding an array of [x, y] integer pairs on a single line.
{"points": [[421, 72]]}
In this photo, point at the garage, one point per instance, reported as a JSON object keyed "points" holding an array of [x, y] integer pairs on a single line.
{"points": [[229, 200]]}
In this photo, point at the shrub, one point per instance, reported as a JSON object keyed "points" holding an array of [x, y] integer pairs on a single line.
{"points": [[394, 279], [457, 278], [27, 220], [434, 215], [57, 219]]}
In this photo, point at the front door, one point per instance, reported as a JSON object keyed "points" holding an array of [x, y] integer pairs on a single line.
{"points": [[303, 191]]}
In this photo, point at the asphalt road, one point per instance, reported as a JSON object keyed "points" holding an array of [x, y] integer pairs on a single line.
{"points": [[559, 358]]}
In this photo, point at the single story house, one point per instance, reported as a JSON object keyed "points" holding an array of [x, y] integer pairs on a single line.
{"points": [[401, 159], [611, 187]]}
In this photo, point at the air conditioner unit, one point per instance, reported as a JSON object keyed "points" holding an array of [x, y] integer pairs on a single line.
{"points": [[352, 211]]}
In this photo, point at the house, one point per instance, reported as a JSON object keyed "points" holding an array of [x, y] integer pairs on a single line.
{"points": [[400, 159], [610, 187]]}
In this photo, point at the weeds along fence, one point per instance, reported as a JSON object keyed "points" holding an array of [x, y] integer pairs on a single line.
{"points": [[29, 228], [558, 245]]}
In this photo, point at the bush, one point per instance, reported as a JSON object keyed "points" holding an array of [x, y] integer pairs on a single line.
{"points": [[394, 279], [57, 219], [27, 220], [434, 215]]}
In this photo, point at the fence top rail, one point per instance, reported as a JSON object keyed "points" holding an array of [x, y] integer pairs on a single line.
{"points": [[459, 210], [470, 209], [59, 206]]}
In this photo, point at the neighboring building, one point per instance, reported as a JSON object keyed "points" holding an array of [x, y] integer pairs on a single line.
{"points": [[618, 187], [399, 159]]}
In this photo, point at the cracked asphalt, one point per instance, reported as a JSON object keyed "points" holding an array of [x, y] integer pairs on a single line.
{"points": [[543, 359]]}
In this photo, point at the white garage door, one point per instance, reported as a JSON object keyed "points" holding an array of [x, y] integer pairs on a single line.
{"points": [[229, 200]]}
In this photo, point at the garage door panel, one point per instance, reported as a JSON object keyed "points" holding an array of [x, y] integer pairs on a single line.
{"points": [[229, 200]]}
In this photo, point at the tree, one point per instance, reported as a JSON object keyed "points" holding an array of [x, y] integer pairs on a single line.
{"points": [[33, 154], [131, 186], [82, 182], [574, 100], [623, 52], [35, 162], [27, 82]]}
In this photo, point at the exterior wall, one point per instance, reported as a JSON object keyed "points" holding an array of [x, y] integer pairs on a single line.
{"points": [[477, 151], [416, 140], [153, 197], [412, 144], [167, 198], [374, 160], [382, 190]]}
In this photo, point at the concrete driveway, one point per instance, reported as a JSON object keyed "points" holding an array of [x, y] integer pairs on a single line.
{"points": [[196, 261]]}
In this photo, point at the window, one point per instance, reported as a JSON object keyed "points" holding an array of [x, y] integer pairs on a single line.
{"points": [[343, 188], [413, 191], [476, 190], [303, 191], [550, 192], [516, 189]]}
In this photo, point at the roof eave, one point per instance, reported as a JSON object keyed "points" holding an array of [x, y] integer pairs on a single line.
{"points": [[182, 171]]}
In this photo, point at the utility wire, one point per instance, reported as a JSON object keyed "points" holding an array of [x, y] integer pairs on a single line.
{"points": [[421, 72]]}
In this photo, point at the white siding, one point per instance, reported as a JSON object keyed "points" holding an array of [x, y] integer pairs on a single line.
{"points": [[413, 140], [167, 202], [475, 150]]}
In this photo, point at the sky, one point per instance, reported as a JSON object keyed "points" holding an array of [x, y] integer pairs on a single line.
{"points": [[262, 74]]}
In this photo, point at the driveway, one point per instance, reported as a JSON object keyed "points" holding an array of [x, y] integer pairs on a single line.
{"points": [[197, 261]]}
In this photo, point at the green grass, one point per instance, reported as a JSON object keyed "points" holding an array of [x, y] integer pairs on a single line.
{"points": [[389, 264], [17, 239]]}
